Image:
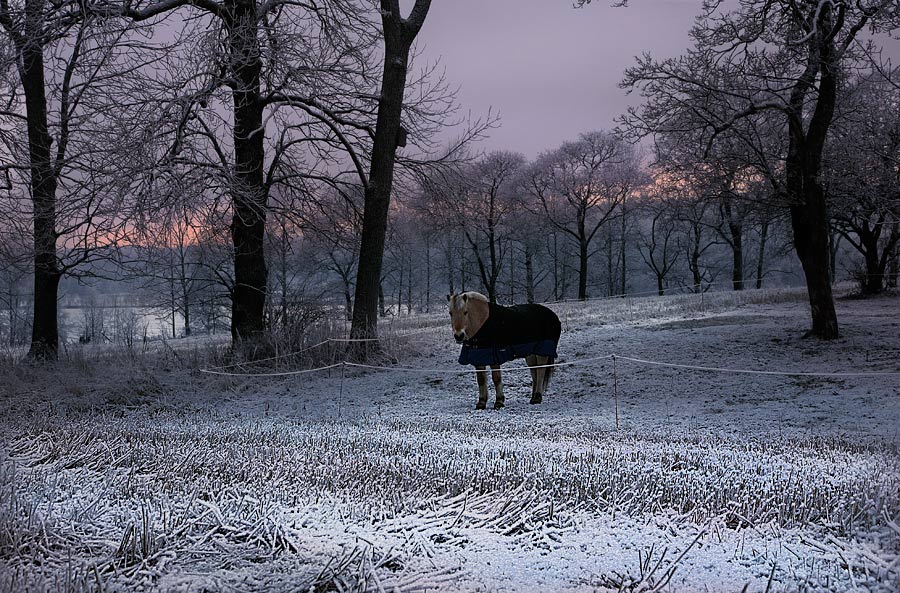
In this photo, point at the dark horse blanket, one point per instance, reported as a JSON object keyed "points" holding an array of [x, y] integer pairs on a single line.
{"points": [[513, 332]]}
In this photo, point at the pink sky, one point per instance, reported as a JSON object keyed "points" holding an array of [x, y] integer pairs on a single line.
{"points": [[550, 70]]}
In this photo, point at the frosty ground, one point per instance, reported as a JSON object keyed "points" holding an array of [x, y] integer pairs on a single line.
{"points": [[143, 474]]}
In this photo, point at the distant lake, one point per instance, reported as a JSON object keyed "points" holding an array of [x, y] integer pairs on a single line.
{"points": [[114, 323]]}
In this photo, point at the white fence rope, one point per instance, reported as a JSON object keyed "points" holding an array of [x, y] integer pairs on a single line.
{"points": [[307, 349], [467, 371], [756, 372], [269, 359], [280, 374], [578, 362]]}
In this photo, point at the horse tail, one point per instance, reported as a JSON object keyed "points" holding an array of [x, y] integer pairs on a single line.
{"points": [[557, 332], [548, 372]]}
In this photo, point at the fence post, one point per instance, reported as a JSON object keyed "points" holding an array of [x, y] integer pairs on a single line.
{"points": [[341, 395], [616, 390]]}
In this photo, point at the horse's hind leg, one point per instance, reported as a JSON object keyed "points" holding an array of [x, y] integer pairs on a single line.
{"points": [[531, 360], [537, 387], [481, 376], [499, 399]]}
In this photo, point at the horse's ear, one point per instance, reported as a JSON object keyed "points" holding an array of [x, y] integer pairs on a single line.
{"points": [[465, 298], [449, 297]]}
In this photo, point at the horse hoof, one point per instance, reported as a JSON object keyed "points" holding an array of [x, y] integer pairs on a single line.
{"points": [[498, 405], [536, 399], [480, 406]]}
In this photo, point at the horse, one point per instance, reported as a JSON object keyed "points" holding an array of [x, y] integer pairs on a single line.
{"points": [[491, 334]]}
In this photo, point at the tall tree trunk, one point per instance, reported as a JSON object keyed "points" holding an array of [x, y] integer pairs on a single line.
{"points": [[450, 266], [187, 316], [877, 244], [623, 288], [248, 192], [488, 279], [174, 318], [611, 282], [409, 284], [735, 240], [348, 301], [282, 273], [529, 273], [811, 240], [512, 272], [760, 260], [400, 290], [427, 304], [874, 280], [45, 325], [695, 270], [399, 34], [45, 328], [556, 293], [803, 166], [248, 225], [582, 270], [834, 245], [463, 270], [495, 265], [894, 263], [492, 251], [737, 255]]}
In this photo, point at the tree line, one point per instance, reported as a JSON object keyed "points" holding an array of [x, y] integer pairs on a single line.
{"points": [[242, 159]]}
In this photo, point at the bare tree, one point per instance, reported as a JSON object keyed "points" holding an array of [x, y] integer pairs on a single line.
{"points": [[68, 129], [777, 56], [477, 201], [580, 187], [658, 245], [14, 297], [731, 186], [399, 34], [692, 213], [169, 258], [863, 181], [528, 230], [293, 78], [331, 223]]}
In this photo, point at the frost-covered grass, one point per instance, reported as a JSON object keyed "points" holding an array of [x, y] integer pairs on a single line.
{"points": [[124, 496], [641, 309], [134, 477]]}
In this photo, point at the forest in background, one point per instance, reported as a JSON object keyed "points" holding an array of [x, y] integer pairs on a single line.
{"points": [[245, 164]]}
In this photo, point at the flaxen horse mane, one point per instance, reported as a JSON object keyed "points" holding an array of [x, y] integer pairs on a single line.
{"points": [[460, 299]]}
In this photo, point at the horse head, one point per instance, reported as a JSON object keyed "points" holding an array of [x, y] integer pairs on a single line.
{"points": [[468, 312]]}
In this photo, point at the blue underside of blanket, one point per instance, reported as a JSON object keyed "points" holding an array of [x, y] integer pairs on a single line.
{"points": [[499, 355]]}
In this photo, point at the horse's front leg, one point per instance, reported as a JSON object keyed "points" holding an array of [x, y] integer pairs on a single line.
{"points": [[481, 375], [499, 400]]}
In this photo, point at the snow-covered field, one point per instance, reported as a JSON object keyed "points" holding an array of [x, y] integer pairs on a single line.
{"points": [[118, 475]]}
